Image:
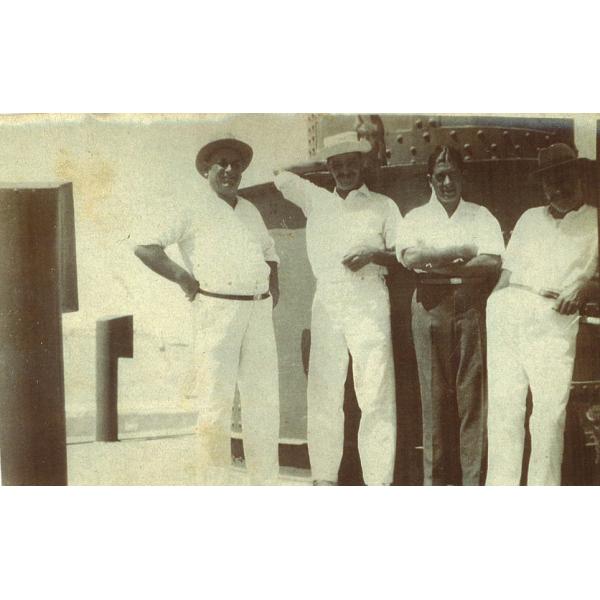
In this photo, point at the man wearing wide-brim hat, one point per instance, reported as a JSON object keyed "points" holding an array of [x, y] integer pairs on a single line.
{"points": [[230, 277], [532, 321], [350, 234]]}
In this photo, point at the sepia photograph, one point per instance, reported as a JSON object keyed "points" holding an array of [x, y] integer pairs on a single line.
{"points": [[273, 271], [309, 299]]}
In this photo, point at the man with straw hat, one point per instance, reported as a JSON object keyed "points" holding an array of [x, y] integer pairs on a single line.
{"points": [[532, 322], [230, 277], [350, 234]]}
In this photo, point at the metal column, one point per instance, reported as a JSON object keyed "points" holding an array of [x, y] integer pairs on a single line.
{"points": [[37, 283], [114, 339]]}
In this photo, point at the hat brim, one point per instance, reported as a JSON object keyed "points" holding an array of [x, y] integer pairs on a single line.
{"points": [[360, 147], [204, 154], [566, 163]]}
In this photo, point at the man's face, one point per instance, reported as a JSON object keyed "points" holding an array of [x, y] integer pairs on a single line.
{"points": [[447, 182], [346, 170], [561, 188], [225, 171]]}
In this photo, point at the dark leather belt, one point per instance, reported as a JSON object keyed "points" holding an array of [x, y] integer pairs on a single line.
{"points": [[538, 291], [263, 296]]}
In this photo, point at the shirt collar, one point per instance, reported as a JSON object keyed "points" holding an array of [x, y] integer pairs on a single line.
{"points": [[436, 206], [221, 202], [363, 190], [558, 216]]}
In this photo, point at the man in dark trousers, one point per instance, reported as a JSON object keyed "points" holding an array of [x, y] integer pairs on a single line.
{"points": [[455, 247]]}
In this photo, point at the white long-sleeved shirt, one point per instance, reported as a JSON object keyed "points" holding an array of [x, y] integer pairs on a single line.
{"points": [[335, 225], [430, 226], [549, 253], [226, 249]]}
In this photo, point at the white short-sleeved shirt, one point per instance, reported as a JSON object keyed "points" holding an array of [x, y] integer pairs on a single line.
{"points": [[224, 248], [335, 225], [430, 226], [549, 253]]}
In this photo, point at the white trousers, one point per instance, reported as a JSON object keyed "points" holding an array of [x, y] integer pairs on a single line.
{"points": [[234, 343], [531, 346], [353, 318]]}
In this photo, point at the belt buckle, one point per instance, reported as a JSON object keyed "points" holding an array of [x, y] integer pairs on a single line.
{"points": [[455, 280], [256, 297]]}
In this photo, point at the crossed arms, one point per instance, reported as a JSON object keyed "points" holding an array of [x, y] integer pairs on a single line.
{"points": [[453, 261]]}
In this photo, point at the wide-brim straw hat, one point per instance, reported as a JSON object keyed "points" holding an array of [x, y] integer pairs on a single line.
{"points": [[204, 154], [343, 143]]}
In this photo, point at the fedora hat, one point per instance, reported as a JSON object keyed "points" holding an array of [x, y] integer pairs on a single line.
{"points": [[343, 143], [204, 154], [555, 156]]}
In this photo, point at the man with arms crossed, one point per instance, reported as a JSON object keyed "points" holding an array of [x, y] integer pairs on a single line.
{"points": [[533, 322], [454, 246], [231, 280], [349, 235]]}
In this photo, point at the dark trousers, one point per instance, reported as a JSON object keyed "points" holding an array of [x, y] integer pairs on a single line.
{"points": [[448, 324]]}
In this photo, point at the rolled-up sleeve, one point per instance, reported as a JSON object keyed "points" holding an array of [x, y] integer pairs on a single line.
{"points": [[296, 190], [161, 231], [489, 234]]}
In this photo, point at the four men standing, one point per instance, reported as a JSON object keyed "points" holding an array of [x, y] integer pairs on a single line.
{"points": [[353, 234]]}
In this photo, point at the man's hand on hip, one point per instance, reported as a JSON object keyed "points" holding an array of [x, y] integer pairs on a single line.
{"points": [[189, 285]]}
